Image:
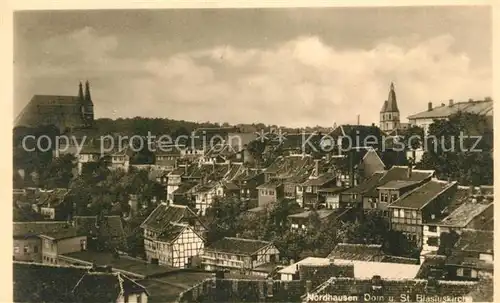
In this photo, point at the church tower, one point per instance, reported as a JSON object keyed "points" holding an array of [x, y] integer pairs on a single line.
{"points": [[87, 106], [389, 114]]}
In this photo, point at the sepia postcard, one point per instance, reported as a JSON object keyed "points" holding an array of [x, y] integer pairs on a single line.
{"points": [[266, 153]]}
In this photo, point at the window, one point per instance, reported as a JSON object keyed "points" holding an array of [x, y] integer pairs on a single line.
{"points": [[383, 197], [16, 249], [414, 214], [401, 213], [26, 249], [35, 249], [394, 197], [396, 213], [433, 229], [467, 272], [433, 241]]}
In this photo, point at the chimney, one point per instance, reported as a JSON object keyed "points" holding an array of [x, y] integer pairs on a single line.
{"points": [[316, 168], [442, 104], [429, 106], [470, 100], [410, 168], [450, 102], [133, 204], [358, 119]]}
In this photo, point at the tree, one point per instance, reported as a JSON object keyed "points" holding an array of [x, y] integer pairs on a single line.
{"points": [[451, 150], [59, 172], [221, 217]]}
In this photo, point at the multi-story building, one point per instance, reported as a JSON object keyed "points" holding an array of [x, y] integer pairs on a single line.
{"points": [[173, 235], [369, 193], [175, 246], [417, 207], [205, 194], [468, 210], [270, 192], [239, 255], [426, 118], [472, 256], [174, 180], [310, 188], [52, 204]]}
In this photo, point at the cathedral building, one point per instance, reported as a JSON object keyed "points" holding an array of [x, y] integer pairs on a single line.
{"points": [[389, 114], [67, 113]]}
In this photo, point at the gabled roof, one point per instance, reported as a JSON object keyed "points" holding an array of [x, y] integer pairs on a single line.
{"points": [[239, 246], [289, 166], [482, 107], [475, 240], [362, 252], [397, 184], [421, 196], [110, 226], [105, 287], [50, 198], [30, 116], [320, 180], [366, 186], [173, 230], [184, 187], [31, 229], [163, 215], [466, 212]]}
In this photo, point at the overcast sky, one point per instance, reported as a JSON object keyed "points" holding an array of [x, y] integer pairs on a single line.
{"points": [[292, 67]]}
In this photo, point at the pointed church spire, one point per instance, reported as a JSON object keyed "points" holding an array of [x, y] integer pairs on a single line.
{"points": [[80, 91], [87, 91], [392, 105]]}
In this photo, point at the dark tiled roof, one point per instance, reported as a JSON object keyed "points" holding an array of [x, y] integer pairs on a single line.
{"points": [[238, 245], [475, 240], [465, 213], [368, 185], [51, 198], [477, 107], [320, 180], [30, 229], [50, 109], [398, 184], [184, 187], [419, 197], [361, 252], [231, 186], [111, 226], [401, 173], [171, 232], [285, 167], [64, 233], [397, 259], [105, 287], [163, 215]]}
